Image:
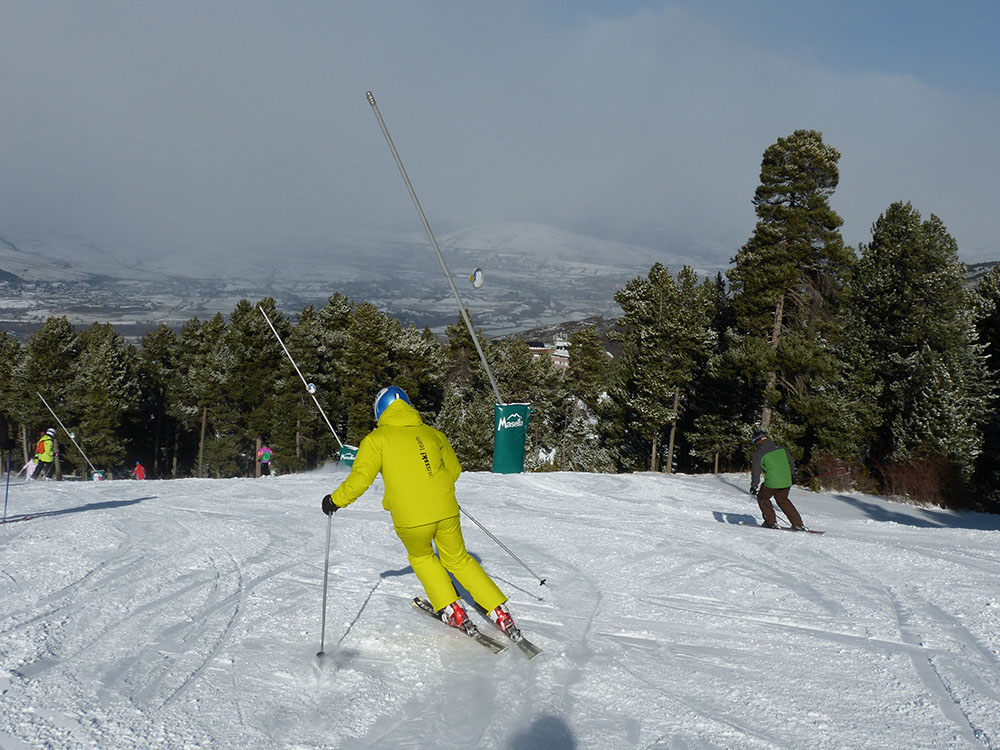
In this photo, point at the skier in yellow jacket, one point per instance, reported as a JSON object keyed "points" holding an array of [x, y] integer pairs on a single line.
{"points": [[420, 468], [44, 455]]}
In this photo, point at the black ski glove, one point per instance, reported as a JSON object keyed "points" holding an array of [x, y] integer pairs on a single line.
{"points": [[753, 490], [329, 507]]}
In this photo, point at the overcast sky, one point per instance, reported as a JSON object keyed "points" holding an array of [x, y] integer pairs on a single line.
{"points": [[207, 126]]}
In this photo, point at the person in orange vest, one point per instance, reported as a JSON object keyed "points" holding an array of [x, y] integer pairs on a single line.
{"points": [[419, 468], [138, 472], [44, 455]]}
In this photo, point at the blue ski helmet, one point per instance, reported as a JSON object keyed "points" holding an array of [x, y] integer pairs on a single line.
{"points": [[385, 397]]}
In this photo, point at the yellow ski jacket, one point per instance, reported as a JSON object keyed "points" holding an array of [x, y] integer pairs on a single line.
{"points": [[43, 451], [417, 463]]}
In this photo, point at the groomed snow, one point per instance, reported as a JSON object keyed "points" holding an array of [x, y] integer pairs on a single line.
{"points": [[187, 614]]}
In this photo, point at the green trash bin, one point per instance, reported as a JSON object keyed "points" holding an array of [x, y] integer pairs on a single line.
{"points": [[347, 455], [510, 427]]}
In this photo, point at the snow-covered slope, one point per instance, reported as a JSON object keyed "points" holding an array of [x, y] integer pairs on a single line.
{"points": [[40, 255], [544, 242], [182, 614]]}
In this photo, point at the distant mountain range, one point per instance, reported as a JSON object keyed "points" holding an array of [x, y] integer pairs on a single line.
{"points": [[536, 277]]}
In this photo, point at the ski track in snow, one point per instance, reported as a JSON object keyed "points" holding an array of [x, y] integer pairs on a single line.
{"points": [[187, 614]]}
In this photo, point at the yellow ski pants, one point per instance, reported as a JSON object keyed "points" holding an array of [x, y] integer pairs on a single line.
{"points": [[432, 570]]}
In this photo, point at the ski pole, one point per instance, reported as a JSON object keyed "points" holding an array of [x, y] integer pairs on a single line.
{"points": [[326, 574], [310, 390], [541, 581], [430, 235], [7, 489]]}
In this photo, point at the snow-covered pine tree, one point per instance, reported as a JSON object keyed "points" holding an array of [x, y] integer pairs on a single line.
{"points": [[579, 442], [987, 472], [914, 338], [666, 336], [589, 367], [787, 282], [107, 395], [535, 381], [466, 415]]}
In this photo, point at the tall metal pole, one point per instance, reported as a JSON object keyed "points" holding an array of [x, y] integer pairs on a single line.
{"points": [[430, 236], [70, 434], [310, 392]]}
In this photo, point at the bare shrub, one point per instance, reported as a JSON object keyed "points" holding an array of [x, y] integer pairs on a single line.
{"points": [[928, 480], [838, 475]]}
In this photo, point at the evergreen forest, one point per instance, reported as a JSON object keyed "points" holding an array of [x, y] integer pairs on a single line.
{"points": [[877, 367]]}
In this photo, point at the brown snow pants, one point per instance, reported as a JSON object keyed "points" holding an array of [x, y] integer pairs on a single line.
{"points": [[780, 496]]}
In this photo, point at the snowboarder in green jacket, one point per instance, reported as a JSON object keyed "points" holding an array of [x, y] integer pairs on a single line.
{"points": [[778, 467]]}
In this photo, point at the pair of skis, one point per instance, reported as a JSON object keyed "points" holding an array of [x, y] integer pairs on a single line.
{"points": [[528, 648]]}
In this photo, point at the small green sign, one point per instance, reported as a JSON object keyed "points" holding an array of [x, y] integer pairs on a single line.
{"points": [[510, 428], [347, 455]]}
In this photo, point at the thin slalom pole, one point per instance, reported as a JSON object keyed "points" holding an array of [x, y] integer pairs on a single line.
{"points": [[310, 392], [92, 467], [6, 491], [326, 576], [430, 235], [541, 581]]}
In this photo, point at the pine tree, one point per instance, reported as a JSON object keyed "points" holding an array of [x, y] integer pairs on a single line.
{"points": [[195, 389], [334, 334], [533, 381], [589, 367], [987, 471], [106, 393], [915, 343], [466, 418], [11, 353], [299, 435], [787, 283], [721, 406], [366, 366], [666, 336], [157, 361], [48, 368], [579, 444], [467, 408], [253, 359]]}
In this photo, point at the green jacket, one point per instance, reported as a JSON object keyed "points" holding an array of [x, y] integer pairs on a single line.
{"points": [[776, 463], [417, 463]]}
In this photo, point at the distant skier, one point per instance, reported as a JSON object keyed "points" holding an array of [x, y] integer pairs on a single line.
{"points": [[264, 457], [139, 472], [778, 467], [44, 455], [419, 468]]}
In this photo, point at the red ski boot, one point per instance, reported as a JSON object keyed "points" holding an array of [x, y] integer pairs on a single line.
{"points": [[455, 615], [502, 619]]}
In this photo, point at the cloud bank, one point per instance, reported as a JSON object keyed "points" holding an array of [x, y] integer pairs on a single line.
{"points": [[214, 127]]}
